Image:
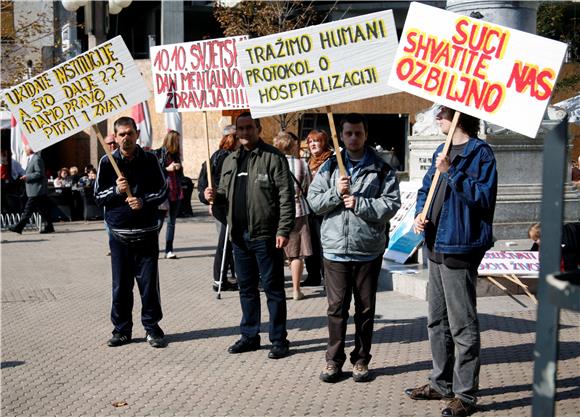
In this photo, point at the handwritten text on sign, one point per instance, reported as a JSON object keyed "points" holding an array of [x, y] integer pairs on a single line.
{"points": [[509, 262], [197, 76], [319, 65], [492, 72], [76, 94]]}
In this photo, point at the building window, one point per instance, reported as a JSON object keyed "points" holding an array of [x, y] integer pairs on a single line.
{"points": [[7, 32]]}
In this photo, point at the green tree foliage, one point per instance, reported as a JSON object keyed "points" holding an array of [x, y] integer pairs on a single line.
{"points": [[560, 21]]}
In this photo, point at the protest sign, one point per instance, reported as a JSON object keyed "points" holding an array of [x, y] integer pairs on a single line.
{"points": [[500, 263], [77, 94], [197, 76], [319, 65], [498, 74], [403, 241]]}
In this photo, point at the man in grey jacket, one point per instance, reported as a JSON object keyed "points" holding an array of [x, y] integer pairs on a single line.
{"points": [[356, 209], [36, 191]]}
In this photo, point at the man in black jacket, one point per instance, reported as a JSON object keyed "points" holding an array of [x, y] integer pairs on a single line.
{"points": [[133, 226], [257, 189]]}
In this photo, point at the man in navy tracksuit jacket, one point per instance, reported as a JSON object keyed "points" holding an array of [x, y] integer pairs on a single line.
{"points": [[133, 226]]}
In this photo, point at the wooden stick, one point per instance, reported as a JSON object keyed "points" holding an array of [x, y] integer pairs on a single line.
{"points": [[497, 284], [504, 289], [435, 180], [525, 287], [208, 160], [110, 156], [341, 168], [515, 281]]}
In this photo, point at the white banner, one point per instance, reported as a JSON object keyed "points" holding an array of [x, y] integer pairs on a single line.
{"points": [[501, 75], [497, 262], [319, 65], [76, 94], [197, 76]]}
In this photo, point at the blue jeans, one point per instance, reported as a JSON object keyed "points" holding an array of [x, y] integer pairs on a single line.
{"points": [[453, 329], [130, 262], [255, 260], [172, 217]]}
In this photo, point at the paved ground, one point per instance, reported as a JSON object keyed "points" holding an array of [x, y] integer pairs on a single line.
{"points": [[55, 322]]}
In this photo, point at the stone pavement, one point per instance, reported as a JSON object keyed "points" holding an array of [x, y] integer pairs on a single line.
{"points": [[55, 322]]}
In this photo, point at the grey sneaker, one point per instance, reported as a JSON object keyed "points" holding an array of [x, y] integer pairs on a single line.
{"points": [[331, 373], [360, 373]]}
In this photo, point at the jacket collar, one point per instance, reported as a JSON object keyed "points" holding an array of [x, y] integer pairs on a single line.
{"points": [[371, 160], [257, 150]]}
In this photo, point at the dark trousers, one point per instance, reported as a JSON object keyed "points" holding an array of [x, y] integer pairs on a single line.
{"points": [[313, 262], [171, 219], [130, 262], [223, 239], [343, 280], [260, 260], [40, 203], [453, 330]]}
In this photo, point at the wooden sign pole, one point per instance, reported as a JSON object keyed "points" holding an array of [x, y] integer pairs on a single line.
{"points": [[341, 168], [445, 152], [208, 160], [110, 155]]}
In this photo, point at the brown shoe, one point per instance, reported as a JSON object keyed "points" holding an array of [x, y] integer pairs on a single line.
{"points": [[424, 392], [458, 408]]}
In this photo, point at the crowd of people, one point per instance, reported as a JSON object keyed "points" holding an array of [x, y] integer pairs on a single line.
{"points": [[330, 213]]}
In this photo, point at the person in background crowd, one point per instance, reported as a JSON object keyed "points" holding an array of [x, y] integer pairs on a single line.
{"points": [[458, 232], [169, 156], [111, 145], [320, 151], [74, 175], [256, 187], [133, 226], [89, 179], [36, 191], [90, 166], [63, 180], [357, 208], [299, 245], [570, 244], [228, 144]]}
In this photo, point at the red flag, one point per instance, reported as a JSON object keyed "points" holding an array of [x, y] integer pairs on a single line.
{"points": [[140, 113], [17, 143]]}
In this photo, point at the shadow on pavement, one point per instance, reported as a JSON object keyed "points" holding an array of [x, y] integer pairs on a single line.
{"points": [[527, 401], [11, 364]]}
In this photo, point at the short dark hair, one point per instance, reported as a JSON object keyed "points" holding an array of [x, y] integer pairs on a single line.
{"points": [[467, 123], [124, 121], [354, 118], [248, 114]]}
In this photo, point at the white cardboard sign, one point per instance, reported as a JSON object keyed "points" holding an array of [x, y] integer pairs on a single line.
{"points": [[319, 65], [76, 94], [500, 263], [198, 76], [498, 74]]}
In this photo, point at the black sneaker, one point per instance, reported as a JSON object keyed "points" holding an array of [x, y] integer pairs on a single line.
{"points": [[244, 345], [156, 340], [279, 351], [119, 339], [15, 230]]}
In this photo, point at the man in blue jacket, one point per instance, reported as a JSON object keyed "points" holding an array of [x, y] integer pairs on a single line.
{"points": [[133, 228], [458, 231], [357, 208]]}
